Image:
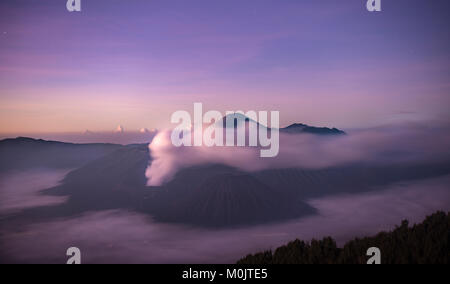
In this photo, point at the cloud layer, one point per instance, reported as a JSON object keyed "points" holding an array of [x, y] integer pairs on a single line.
{"points": [[393, 144], [140, 240], [21, 190]]}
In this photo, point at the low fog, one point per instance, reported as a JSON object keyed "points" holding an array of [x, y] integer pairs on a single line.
{"points": [[140, 240], [21, 190]]}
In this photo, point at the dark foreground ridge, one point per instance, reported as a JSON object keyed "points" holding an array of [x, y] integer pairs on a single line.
{"points": [[425, 243]]}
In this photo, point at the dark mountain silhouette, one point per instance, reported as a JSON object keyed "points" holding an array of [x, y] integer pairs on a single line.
{"points": [[26, 153], [216, 195], [223, 197], [208, 196], [296, 128], [424, 243], [303, 128], [355, 178], [114, 181], [238, 119], [113, 177]]}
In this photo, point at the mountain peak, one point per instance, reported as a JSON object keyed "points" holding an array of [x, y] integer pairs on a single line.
{"points": [[304, 128], [237, 118]]}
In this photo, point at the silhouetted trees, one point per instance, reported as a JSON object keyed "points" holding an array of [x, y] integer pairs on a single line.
{"points": [[425, 243]]}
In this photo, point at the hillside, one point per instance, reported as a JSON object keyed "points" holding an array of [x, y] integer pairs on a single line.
{"points": [[425, 243], [25, 153], [223, 197]]}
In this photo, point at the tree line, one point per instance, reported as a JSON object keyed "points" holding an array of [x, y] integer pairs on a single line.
{"points": [[424, 243]]}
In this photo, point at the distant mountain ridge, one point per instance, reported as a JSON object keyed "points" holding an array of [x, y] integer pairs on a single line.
{"points": [[295, 128], [24, 140], [304, 128], [24, 153]]}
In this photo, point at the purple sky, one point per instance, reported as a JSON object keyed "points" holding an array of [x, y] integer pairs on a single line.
{"points": [[134, 62]]}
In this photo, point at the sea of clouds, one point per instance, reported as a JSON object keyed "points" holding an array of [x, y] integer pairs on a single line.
{"points": [[411, 143]]}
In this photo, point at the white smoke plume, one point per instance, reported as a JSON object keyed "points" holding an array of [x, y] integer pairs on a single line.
{"points": [[393, 144]]}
